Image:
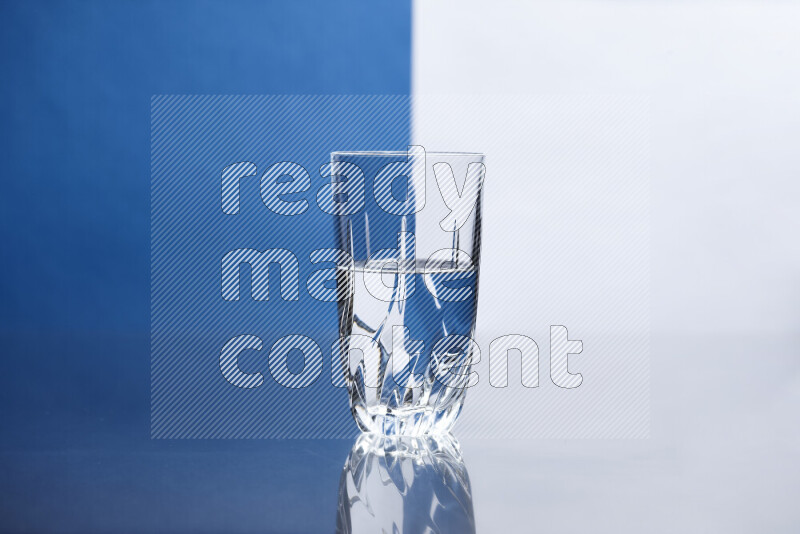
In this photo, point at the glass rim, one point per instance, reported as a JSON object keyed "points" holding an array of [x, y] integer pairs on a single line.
{"points": [[397, 153]]}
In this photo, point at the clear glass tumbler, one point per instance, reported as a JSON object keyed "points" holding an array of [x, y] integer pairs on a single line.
{"points": [[411, 224]]}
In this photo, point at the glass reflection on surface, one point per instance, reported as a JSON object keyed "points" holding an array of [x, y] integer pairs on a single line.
{"points": [[396, 484]]}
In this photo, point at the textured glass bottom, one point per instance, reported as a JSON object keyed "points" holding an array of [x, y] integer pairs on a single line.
{"points": [[397, 484], [407, 421], [394, 374]]}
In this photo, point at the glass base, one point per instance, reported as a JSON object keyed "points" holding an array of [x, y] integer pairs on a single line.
{"points": [[406, 421]]}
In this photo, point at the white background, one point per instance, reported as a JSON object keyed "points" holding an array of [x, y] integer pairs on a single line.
{"points": [[723, 81]]}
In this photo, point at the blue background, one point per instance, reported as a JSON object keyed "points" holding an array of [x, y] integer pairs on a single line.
{"points": [[193, 139], [75, 453]]}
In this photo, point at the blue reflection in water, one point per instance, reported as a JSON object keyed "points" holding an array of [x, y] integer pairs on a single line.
{"points": [[396, 484]]}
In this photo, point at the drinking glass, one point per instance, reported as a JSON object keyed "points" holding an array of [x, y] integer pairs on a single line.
{"points": [[411, 225]]}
